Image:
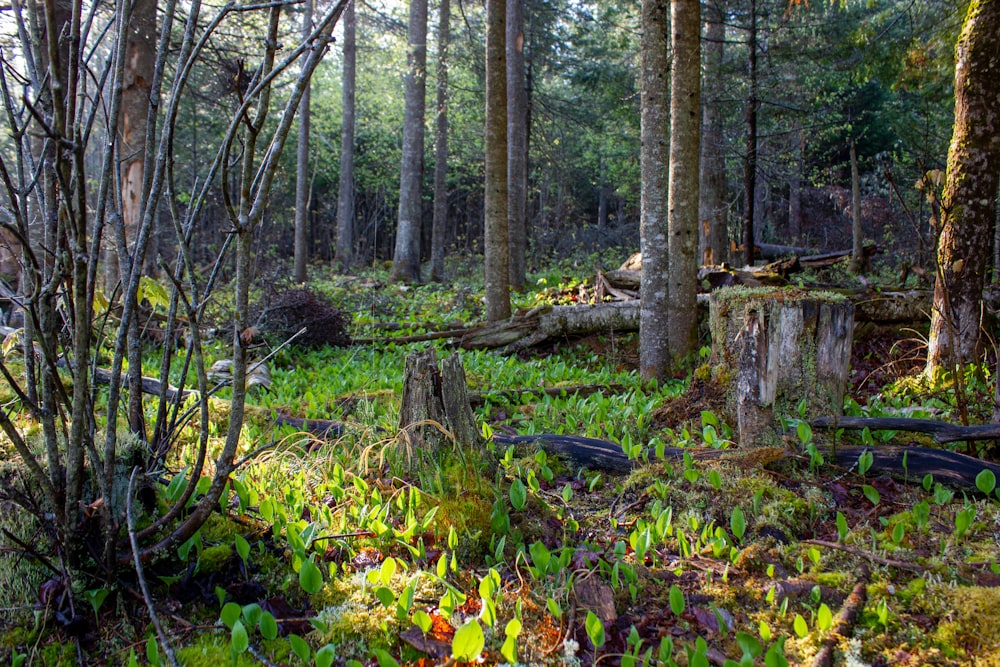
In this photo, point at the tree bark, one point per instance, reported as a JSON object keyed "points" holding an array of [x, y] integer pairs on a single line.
{"points": [[302, 190], [654, 350], [435, 404], [712, 246], [750, 159], [857, 235], [439, 225], [344, 255], [517, 149], [406, 260], [967, 205], [798, 148], [682, 206], [496, 239]]}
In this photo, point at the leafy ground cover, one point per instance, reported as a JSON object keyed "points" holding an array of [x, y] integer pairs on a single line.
{"points": [[357, 550]]}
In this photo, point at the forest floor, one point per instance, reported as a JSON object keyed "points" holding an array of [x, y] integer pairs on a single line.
{"points": [[357, 550]]}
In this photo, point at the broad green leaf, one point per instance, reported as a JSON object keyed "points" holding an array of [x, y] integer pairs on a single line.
{"points": [[738, 523], [800, 626], [824, 618], [518, 494], [676, 600], [384, 659], [986, 481], [310, 577], [468, 642], [230, 614], [268, 626], [300, 648], [325, 656], [152, 652], [242, 548], [841, 526], [239, 638], [871, 493], [595, 629]]}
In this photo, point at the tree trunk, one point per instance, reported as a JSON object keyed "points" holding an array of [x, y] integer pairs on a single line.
{"points": [[517, 149], [788, 354], [682, 207], [971, 185], [750, 159], [654, 350], [344, 255], [857, 248], [406, 260], [302, 190], [496, 241], [439, 225], [795, 185], [712, 246]]}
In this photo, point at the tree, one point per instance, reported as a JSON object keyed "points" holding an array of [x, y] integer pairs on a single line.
{"points": [[654, 330], [682, 202], [750, 157], [517, 138], [345, 192], [81, 461], [712, 246], [406, 259], [496, 238], [302, 189], [439, 224], [968, 201]]}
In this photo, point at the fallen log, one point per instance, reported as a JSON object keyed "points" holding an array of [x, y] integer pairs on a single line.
{"points": [[942, 432]]}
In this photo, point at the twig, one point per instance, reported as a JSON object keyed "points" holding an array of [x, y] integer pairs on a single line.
{"points": [[130, 521], [260, 656], [902, 565], [849, 613]]}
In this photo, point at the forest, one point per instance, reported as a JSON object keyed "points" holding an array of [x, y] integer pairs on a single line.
{"points": [[514, 332]]}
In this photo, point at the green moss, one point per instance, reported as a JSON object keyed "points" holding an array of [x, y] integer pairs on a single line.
{"points": [[974, 624], [212, 650], [213, 559]]}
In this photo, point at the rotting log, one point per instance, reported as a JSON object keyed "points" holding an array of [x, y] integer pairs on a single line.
{"points": [[787, 351], [942, 432]]}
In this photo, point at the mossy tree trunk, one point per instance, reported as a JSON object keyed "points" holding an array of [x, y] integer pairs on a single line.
{"points": [[783, 349]]}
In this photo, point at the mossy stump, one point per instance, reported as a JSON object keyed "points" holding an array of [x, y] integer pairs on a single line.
{"points": [[435, 407], [783, 349]]}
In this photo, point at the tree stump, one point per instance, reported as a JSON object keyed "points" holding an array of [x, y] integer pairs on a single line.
{"points": [[435, 408], [781, 348]]}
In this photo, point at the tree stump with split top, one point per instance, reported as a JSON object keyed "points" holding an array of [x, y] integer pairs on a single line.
{"points": [[435, 408], [787, 353]]}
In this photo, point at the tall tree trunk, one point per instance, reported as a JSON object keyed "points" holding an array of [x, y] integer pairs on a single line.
{"points": [[345, 192], [967, 205], [302, 189], [750, 160], [712, 246], [857, 235], [517, 149], [654, 354], [406, 259], [682, 202], [496, 240], [439, 226], [798, 148]]}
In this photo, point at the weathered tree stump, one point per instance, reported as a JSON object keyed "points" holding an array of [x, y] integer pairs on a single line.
{"points": [[781, 348], [435, 407]]}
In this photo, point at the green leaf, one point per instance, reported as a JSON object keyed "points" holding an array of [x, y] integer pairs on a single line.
{"points": [[268, 626], [749, 644], [775, 656], [513, 628], [841, 526], [518, 494], [239, 637], [468, 642], [387, 570], [986, 481], [325, 656], [764, 630], [676, 600], [132, 660], [310, 577], [230, 614], [800, 626], [423, 620], [152, 652], [871, 493], [738, 523], [824, 618], [252, 613], [300, 648], [385, 596], [384, 659], [715, 479], [554, 608], [865, 462], [242, 548], [595, 629]]}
